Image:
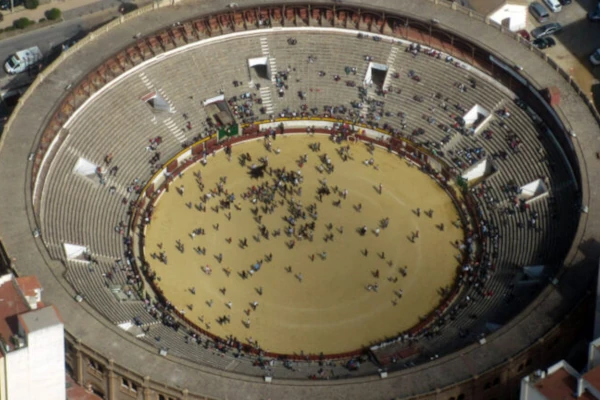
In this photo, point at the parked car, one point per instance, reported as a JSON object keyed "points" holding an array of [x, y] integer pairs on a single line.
{"points": [[595, 57], [23, 59], [553, 5], [524, 34], [546, 30], [544, 43], [594, 16], [5, 4], [539, 12]]}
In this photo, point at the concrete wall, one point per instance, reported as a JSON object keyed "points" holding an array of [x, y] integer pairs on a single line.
{"points": [[38, 370], [47, 362]]}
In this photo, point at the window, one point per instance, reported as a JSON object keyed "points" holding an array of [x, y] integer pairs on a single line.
{"points": [[461, 397], [133, 387], [496, 381], [161, 397], [124, 382], [528, 362], [554, 343], [95, 366]]}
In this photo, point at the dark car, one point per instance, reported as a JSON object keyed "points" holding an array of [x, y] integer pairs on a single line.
{"points": [[544, 43], [594, 16], [546, 30], [565, 2], [5, 4]]}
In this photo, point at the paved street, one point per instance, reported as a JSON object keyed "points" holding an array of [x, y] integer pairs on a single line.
{"points": [[77, 22], [45, 38], [578, 39]]}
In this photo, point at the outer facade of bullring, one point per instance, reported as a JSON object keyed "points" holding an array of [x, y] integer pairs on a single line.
{"points": [[532, 339]]}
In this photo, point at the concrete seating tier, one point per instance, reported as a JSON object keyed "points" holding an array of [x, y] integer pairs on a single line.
{"points": [[80, 210]]}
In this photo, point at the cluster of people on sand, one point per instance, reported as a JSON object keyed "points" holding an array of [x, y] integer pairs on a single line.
{"points": [[280, 187], [284, 185], [269, 195]]}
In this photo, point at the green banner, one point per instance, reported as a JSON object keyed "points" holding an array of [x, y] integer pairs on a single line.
{"points": [[228, 131]]}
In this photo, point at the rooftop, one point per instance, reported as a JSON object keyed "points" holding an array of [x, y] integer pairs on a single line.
{"points": [[29, 285], [485, 7], [12, 303], [76, 392], [40, 319], [593, 377], [560, 385]]}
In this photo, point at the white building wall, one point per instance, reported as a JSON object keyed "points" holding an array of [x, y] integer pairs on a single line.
{"points": [[3, 394], [517, 15], [38, 370], [47, 350], [18, 374], [529, 392]]}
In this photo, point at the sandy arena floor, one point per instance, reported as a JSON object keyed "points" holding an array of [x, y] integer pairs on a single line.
{"points": [[330, 310]]}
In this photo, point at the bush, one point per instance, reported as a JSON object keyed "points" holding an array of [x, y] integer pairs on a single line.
{"points": [[53, 14], [22, 23], [42, 20], [9, 29], [31, 4]]}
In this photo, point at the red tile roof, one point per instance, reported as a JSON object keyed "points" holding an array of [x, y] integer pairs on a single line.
{"points": [[593, 377], [11, 304], [28, 284], [561, 385], [76, 392]]}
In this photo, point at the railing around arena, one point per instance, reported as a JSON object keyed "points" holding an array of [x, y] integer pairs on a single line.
{"points": [[206, 147]]}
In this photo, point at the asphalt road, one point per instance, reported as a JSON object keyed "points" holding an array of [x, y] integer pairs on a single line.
{"points": [[77, 22], [44, 38]]}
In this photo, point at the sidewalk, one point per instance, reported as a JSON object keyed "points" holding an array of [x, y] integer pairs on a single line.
{"points": [[66, 6]]}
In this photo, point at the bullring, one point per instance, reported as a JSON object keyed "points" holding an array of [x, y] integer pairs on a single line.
{"points": [[93, 232]]}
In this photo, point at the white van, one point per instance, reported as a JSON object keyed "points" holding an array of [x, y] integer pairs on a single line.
{"points": [[553, 5], [23, 59]]}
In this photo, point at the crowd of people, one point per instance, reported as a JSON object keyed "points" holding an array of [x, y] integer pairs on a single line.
{"points": [[276, 188], [283, 184]]}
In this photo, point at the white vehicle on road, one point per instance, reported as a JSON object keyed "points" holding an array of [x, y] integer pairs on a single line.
{"points": [[23, 59]]}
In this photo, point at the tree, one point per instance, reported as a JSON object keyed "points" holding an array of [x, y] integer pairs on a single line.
{"points": [[31, 4], [22, 23], [53, 14]]}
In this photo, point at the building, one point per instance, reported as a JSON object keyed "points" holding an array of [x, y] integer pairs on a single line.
{"points": [[562, 381], [103, 359], [512, 14], [32, 342]]}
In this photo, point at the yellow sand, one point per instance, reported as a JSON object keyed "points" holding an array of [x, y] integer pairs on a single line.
{"points": [[330, 310]]}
